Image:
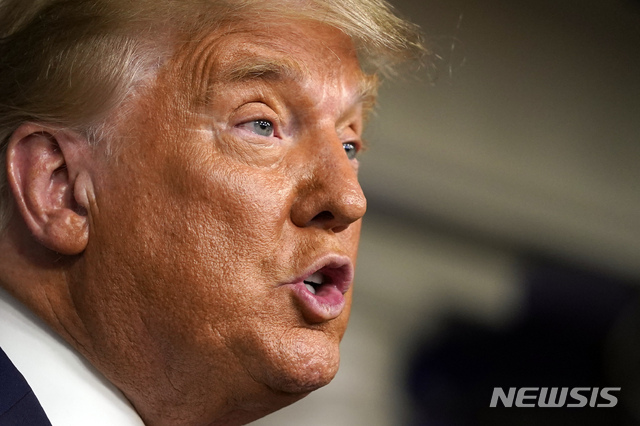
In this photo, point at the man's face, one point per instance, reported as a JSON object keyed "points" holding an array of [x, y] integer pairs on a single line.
{"points": [[233, 184]]}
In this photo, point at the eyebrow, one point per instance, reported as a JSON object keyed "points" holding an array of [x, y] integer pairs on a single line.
{"points": [[281, 69], [252, 68]]}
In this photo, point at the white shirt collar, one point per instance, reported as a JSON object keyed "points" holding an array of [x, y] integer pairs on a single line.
{"points": [[71, 391]]}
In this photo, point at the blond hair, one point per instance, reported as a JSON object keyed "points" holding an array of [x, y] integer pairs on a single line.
{"points": [[71, 63]]}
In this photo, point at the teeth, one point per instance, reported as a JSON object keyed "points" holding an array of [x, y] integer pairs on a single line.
{"points": [[315, 278]]}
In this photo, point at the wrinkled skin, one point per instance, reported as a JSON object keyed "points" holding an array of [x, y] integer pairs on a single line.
{"points": [[200, 217]]}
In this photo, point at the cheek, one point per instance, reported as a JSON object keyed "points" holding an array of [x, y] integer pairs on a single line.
{"points": [[224, 241], [239, 215]]}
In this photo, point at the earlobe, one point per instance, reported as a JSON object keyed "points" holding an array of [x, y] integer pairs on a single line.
{"points": [[42, 180]]}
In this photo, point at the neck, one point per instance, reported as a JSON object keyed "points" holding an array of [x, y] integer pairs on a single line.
{"points": [[37, 277]]}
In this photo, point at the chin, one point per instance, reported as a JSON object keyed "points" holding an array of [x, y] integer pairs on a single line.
{"points": [[302, 361], [306, 377]]}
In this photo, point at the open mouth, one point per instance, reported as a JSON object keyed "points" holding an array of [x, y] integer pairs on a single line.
{"points": [[320, 292], [332, 276]]}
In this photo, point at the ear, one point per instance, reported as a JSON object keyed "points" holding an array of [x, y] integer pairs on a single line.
{"points": [[42, 168]]}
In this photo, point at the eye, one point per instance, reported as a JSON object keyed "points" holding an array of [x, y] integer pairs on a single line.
{"points": [[350, 149], [259, 127]]}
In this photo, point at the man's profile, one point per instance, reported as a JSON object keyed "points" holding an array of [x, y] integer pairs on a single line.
{"points": [[179, 206]]}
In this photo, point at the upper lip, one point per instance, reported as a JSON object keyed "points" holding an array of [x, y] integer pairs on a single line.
{"points": [[337, 270]]}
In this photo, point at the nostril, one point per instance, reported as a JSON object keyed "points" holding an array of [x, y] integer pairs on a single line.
{"points": [[323, 216]]}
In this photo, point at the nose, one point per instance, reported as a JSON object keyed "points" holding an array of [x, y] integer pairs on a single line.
{"points": [[328, 195]]}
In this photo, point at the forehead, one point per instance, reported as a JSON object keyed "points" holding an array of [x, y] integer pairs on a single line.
{"points": [[284, 51]]}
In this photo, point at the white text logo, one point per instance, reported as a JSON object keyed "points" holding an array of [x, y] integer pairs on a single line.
{"points": [[555, 397]]}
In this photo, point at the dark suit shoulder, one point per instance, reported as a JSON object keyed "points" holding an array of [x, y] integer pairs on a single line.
{"points": [[19, 406]]}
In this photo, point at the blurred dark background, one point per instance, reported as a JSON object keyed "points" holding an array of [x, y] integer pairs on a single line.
{"points": [[501, 247]]}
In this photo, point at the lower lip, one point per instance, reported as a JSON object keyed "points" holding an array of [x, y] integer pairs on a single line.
{"points": [[327, 304]]}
